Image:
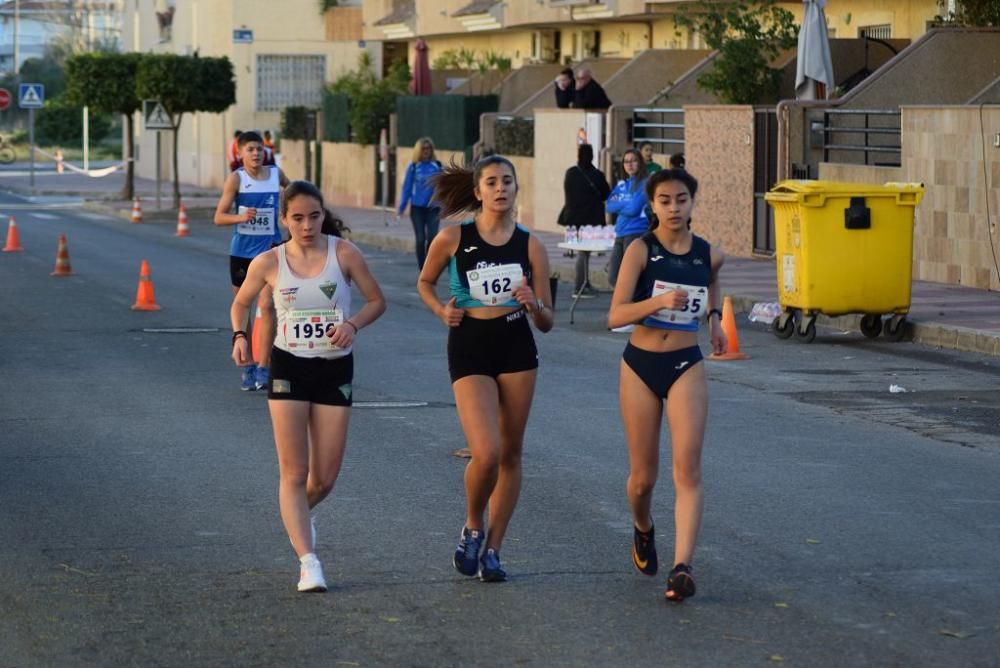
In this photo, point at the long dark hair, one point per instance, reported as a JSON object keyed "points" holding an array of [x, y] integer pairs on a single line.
{"points": [[332, 225], [663, 176], [455, 185]]}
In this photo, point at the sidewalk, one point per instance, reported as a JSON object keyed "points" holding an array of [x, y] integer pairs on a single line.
{"points": [[954, 317]]}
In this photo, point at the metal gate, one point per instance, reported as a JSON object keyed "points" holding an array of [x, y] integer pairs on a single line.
{"points": [[765, 174]]}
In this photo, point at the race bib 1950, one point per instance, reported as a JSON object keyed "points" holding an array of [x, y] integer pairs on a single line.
{"points": [[310, 329], [494, 285], [695, 308], [261, 225]]}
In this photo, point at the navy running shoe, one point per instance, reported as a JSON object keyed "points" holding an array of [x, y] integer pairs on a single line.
{"points": [[249, 378], [644, 551], [489, 567], [467, 553], [261, 377]]}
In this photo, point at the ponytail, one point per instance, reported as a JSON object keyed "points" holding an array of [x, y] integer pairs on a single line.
{"points": [[455, 185]]}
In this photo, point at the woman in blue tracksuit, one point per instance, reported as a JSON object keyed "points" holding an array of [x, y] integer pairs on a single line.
{"points": [[418, 193], [628, 201]]}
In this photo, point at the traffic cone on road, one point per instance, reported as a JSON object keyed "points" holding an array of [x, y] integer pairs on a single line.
{"points": [[144, 298], [62, 259], [13, 238], [182, 223], [733, 340], [136, 211], [258, 332]]}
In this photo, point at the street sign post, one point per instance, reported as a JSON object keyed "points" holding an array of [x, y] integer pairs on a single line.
{"points": [[155, 117], [31, 96], [4, 98]]}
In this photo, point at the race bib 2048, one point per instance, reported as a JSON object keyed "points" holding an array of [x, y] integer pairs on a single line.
{"points": [[261, 225]]}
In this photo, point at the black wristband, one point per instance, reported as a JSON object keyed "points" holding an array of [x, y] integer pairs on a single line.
{"points": [[237, 334], [714, 310]]}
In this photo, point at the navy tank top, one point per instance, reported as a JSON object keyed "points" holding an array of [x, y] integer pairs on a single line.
{"points": [[665, 272], [480, 274]]}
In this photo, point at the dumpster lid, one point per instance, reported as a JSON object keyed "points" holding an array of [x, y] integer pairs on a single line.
{"points": [[844, 187]]}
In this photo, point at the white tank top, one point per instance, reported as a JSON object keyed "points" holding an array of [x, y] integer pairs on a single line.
{"points": [[308, 308]]}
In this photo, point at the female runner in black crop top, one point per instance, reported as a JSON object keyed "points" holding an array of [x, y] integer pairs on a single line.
{"points": [[498, 274], [668, 279]]}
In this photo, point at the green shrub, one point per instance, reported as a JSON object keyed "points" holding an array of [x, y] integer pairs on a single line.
{"points": [[61, 123], [298, 123]]}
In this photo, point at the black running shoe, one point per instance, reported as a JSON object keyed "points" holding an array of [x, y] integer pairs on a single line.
{"points": [[644, 551]]}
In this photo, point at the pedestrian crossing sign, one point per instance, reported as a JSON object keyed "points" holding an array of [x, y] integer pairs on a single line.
{"points": [[155, 117], [31, 96]]}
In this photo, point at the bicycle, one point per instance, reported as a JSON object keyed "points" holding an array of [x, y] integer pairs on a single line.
{"points": [[7, 154]]}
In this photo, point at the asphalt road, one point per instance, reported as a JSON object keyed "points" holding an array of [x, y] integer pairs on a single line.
{"points": [[844, 524]]}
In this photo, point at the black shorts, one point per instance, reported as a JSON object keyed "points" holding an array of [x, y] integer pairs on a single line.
{"points": [[317, 380], [238, 269], [491, 347], [659, 371]]}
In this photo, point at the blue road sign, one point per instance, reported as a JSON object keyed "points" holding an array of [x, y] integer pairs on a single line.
{"points": [[31, 96], [243, 36]]}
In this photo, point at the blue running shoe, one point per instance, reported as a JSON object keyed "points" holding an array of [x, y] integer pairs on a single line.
{"points": [[249, 381], [489, 567], [261, 376], [467, 553]]}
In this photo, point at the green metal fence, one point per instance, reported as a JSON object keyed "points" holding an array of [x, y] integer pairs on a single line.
{"points": [[336, 117], [451, 121]]}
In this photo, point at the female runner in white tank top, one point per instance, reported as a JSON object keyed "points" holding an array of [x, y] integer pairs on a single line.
{"points": [[312, 365]]}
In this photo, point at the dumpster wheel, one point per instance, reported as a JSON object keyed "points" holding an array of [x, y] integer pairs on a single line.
{"points": [[871, 325], [895, 328], [784, 326], [806, 331]]}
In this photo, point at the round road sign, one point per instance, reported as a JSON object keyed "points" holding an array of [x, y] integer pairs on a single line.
{"points": [[4, 98]]}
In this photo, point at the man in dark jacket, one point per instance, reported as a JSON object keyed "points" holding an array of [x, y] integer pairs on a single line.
{"points": [[589, 94], [586, 190], [565, 88]]}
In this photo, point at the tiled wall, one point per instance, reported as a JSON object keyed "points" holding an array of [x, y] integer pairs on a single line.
{"points": [[348, 174], [719, 153], [943, 149]]}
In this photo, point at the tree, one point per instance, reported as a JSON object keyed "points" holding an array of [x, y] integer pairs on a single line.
{"points": [[747, 34], [185, 84], [372, 100], [107, 83], [983, 13]]}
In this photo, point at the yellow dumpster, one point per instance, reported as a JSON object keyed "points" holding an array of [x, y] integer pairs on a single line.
{"points": [[843, 248]]}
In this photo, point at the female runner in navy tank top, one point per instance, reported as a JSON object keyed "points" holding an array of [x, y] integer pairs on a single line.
{"points": [[667, 283], [499, 280]]}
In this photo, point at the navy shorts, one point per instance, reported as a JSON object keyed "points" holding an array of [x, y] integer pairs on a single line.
{"points": [[659, 371], [491, 347], [317, 380]]}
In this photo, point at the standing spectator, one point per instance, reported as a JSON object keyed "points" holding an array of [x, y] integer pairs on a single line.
{"points": [[565, 88], [586, 190], [233, 152], [628, 201], [268, 142], [418, 192], [589, 94], [646, 149], [677, 161]]}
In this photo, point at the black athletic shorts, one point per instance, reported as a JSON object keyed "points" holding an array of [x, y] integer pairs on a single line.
{"points": [[238, 269], [491, 347], [317, 380]]}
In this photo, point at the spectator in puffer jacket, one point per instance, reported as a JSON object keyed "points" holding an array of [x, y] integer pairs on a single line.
{"points": [[628, 203]]}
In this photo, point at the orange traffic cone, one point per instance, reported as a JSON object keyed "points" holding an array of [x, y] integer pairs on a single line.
{"points": [[258, 332], [136, 211], [62, 259], [733, 339], [144, 298], [182, 223], [13, 238]]}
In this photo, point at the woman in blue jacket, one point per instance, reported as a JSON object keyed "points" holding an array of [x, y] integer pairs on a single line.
{"points": [[628, 201], [418, 192]]}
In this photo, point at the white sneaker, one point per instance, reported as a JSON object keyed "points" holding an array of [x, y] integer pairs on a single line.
{"points": [[311, 574], [625, 329]]}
